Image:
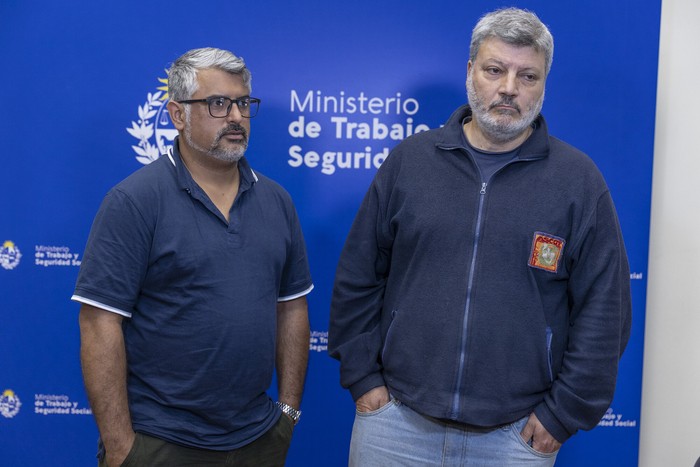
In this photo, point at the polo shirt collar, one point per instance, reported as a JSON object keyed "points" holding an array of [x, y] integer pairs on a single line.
{"points": [[248, 176]]}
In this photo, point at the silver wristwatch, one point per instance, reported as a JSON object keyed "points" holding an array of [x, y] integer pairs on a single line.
{"points": [[293, 413]]}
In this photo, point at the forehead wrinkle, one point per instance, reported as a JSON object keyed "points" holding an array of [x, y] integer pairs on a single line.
{"points": [[510, 64]]}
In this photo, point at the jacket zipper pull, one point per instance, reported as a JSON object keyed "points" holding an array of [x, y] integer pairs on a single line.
{"points": [[483, 188]]}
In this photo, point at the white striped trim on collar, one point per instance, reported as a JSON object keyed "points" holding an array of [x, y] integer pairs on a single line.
{"points": [[170, 156]]}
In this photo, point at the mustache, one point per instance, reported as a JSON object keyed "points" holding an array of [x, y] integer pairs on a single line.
{"points": [[232, 127], [506, 100]]}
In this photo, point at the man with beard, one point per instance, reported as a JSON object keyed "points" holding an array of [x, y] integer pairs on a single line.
{"points": [[193, 289], [482, 299]]}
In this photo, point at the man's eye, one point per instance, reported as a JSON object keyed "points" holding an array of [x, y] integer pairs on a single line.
{"points": [[244, 103], [218, 102]]}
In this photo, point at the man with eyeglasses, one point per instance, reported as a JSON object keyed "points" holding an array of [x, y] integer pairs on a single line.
{"points": [[193, 290]]}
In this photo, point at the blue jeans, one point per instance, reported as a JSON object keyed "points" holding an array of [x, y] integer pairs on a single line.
{"points": [[395, 435]]}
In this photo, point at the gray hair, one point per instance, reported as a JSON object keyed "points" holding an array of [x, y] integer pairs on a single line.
{"points": [[516, 27], [182, 76]]}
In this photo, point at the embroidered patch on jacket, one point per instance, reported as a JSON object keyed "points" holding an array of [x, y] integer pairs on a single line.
{"points": [[546, 251]]}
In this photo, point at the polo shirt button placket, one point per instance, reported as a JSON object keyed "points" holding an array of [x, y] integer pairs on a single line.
{"points": [[234, 231]]}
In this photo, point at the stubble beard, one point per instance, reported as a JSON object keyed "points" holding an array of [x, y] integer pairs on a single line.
{"points": [[228, 154], [504, 129]]}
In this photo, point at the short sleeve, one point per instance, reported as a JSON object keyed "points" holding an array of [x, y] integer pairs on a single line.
{"points": [[296, 277], [116, 256]]}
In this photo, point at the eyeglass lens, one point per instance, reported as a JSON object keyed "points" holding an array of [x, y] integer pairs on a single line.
{"points": [[221, 106]]}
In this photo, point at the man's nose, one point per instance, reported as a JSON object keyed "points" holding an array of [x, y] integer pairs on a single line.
{"points": [[509, 84], [235, 114]]}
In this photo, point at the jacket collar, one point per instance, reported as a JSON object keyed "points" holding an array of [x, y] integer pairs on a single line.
{"points": [[535, 147]]}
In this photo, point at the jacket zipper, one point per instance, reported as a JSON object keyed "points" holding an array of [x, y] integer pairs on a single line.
{"points": [[470, 283], [550, 335]]}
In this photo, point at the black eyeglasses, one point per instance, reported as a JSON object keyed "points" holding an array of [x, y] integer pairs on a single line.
{"points": [[220, 106]]}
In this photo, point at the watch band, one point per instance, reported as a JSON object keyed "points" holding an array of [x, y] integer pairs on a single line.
{"points": [[293, 413]]}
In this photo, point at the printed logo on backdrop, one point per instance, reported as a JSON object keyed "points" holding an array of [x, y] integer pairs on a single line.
{"points": [[9, 255], [318, 342], [9, 403], [58, 404], [612, 419], [153, 128], [55, 256], [359, 130]]}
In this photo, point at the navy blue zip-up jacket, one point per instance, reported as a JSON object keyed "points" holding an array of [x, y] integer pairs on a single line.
{"points": [[483, 301]]}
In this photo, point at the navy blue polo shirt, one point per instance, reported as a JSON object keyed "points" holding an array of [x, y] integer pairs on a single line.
{"points": [[200, 297]]}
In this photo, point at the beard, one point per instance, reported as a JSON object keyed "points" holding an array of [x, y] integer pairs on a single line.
{"points": [[500, 129], [225, 154]]}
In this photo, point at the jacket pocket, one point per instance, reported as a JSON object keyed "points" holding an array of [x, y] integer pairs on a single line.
{"points": [[389, 333], [550, 336]]}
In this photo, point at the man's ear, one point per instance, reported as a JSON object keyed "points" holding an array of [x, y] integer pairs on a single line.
{"points": [[469, 68], [177, 114]]}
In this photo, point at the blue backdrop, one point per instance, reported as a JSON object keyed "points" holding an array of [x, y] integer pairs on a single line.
{"points": [[341, 84]]}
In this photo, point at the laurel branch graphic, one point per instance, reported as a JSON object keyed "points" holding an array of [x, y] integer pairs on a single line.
{"points": [[143, 130]]}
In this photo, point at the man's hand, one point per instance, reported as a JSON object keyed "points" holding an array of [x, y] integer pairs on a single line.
{"points": [[373, 399], [542, 441], [116, 457]]}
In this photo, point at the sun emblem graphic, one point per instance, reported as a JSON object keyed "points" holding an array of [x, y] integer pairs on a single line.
{"points": [[153, 128]]}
